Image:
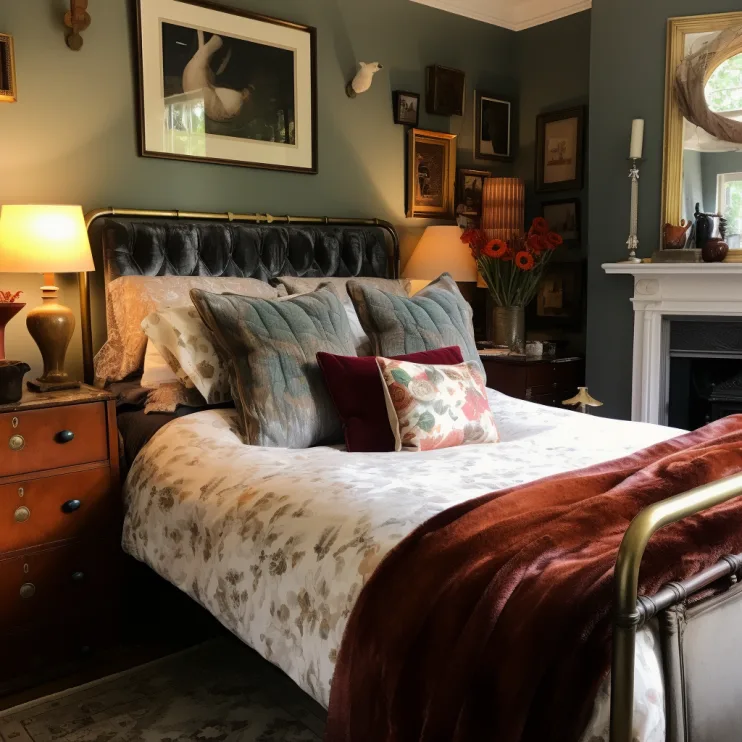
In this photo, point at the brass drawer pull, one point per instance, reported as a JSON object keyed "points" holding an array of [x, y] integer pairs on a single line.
{"points": [[71, 505], [17, 442], [22, 514], [64, 436], [28, 590]]}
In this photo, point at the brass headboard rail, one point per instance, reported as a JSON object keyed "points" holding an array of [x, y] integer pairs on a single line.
{"points": [[228, 216], [631, 612]]}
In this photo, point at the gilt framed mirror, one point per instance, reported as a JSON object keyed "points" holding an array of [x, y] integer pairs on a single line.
{"points": [[703, 122]]}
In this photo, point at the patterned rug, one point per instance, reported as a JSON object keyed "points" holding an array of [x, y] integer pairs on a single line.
{"points": [[218, 691]]}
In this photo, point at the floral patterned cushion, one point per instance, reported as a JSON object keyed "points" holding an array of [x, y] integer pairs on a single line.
{"points": [[433, 407], [187, 345], [130, 299]]}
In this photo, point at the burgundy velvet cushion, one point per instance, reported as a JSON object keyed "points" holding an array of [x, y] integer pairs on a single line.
{"points": [[355, 387]]}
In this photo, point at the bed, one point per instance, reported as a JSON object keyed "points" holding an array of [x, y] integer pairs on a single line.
{"points": [[278, 543]]}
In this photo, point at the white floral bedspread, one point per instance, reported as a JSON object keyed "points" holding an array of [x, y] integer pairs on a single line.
{"points": [[278, 543]]}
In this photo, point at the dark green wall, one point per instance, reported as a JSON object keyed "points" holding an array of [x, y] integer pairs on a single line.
{"points": [[627, 81], [554, 73], [72, 138]]}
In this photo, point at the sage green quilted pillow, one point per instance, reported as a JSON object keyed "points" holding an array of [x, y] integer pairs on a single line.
{"points": [[436, 317], [271, 347]]}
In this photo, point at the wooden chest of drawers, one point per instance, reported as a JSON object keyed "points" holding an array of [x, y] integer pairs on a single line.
{"points": [[547, 381], [60, 528]]}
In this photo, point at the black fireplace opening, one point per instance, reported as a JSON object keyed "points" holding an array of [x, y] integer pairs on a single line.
{"points": [[705, 365]]}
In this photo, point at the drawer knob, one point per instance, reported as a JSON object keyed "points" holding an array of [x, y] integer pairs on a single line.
{"points": [[22, 514], [64, 436], [16, 442], [28, 590], [71, 505], [78, 576]]}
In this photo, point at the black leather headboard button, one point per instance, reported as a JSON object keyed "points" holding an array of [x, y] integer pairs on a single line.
{"points": [[140, 247]]}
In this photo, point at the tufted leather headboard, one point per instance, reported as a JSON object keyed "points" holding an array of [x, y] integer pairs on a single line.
{"points": [[187, 248], [151, 243]]}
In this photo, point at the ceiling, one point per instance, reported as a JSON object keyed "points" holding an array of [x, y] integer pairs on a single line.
{"points": [[516, 15]]}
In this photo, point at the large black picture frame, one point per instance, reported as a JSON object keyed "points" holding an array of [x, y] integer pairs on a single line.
{"points": [[309, 142]]}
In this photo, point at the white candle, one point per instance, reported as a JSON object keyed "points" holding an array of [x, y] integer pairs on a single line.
{"points": [[637, 139]]}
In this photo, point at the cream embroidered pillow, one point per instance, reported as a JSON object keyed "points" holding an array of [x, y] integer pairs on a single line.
{"points": [[433, 407], [188, 347]]}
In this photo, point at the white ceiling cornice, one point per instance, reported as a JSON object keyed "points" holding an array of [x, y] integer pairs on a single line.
{"points": [[516, 15]]}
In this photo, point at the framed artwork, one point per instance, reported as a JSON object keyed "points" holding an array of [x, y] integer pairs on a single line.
{"points": [[444, 91], [406, 108], [470, 184], [560, 144], [564, 219], [493, 127], [560, 299], [431, 171], [7, 70], [226, 86]]}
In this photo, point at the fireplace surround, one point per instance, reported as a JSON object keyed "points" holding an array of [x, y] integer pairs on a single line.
{"points": [[667, 293]]}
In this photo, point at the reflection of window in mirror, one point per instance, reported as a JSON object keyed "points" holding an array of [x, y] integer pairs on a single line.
{"points": [[712, 169]]}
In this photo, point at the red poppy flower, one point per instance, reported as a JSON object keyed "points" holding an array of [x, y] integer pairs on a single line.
{"points": [[524, 260], [554, 239], [468, 236], [535, 244], [540, 225], [495, 249]]}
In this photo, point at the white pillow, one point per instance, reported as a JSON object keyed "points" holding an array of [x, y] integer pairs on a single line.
{"points": [[156, 370], [188, 348]]}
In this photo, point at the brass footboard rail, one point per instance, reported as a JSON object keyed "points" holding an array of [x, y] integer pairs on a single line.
{"points": [[631, 611]]}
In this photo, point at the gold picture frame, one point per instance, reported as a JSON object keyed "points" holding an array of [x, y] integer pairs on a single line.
{"points": [[431, 174], [8, 91], [672, 171]]}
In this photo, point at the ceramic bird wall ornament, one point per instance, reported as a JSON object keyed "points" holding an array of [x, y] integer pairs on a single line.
{"points": [[77, 19], [362, 81]]}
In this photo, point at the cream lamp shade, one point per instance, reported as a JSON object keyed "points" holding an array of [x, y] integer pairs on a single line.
{"points": [[44, 239], [441, 250]]}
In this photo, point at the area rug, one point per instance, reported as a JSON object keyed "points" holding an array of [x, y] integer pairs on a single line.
{"points": [[220, 691]]}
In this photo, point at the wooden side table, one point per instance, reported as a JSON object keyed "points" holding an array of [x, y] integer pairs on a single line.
{"points": [[60, 528], [544, 380]]}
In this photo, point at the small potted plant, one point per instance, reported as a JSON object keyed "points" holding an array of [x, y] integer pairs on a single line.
{"points": [[512, 270], [9, 307]]}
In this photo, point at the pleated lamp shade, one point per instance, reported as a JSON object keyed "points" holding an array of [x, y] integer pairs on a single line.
{"points": [[503, 208]]}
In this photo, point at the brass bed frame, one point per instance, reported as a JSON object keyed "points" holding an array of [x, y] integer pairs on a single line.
{"points": [[631, 612]]}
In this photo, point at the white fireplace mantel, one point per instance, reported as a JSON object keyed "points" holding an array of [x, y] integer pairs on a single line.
{"points": [[663, 291]]}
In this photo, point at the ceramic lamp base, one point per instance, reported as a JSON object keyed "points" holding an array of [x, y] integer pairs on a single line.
{"points": [[51, 326]]}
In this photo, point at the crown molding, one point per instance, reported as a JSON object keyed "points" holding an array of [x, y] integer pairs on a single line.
{"points": [[515, 15]]}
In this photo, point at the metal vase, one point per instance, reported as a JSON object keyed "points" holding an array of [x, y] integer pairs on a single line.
{"points": [[509, 328]]}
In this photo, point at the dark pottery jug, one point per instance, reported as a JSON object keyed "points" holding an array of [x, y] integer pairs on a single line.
{"points": [[11, 380], [714, 251], [708, 227]]}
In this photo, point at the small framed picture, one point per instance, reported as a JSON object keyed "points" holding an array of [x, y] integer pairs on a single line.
{"points": [[431, 172], [470, 186], [560, 142], [493, 127], [444, 93], [560, 299], [406, 108], [7, 70], [564, 219]]}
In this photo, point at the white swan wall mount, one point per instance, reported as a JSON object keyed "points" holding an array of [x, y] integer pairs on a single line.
{"points": [[363, 79]]}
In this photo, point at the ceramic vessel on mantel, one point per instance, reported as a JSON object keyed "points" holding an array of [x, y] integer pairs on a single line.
{"points": [[509, 328]]}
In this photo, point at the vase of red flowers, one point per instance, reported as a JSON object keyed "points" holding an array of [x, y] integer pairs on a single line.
{"points": [[512, 270]]}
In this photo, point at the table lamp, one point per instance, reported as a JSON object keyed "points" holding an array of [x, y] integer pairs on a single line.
{"points": [[48, 240], [440, 250]]}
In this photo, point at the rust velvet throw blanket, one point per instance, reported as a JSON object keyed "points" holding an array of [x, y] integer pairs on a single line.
{"points": [[492, 621]]}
